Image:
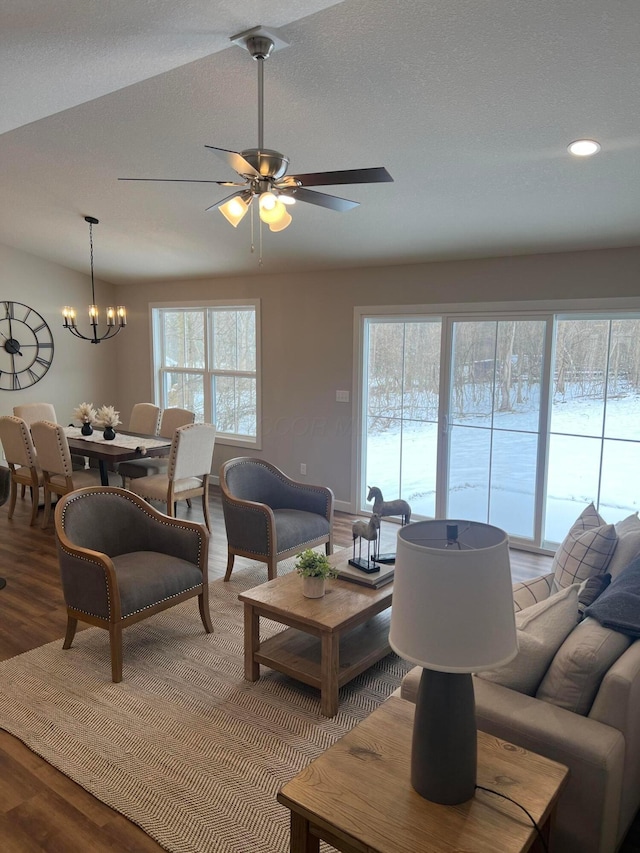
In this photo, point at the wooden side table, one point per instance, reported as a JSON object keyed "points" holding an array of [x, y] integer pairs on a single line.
{"points": [[358, 797]]}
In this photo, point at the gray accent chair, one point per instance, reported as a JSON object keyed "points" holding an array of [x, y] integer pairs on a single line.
{"points": [[268, 516], [121, 561]]}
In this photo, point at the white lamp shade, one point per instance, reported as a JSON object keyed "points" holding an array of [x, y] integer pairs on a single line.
{"points": [[453, 606]]}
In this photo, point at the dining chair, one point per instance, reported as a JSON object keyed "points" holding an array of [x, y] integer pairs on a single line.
{"points": [[169, 422], [187, 475], [268, 516], [121, 561], [20, 454], [54, 459], [32, 412], [144, 418]]}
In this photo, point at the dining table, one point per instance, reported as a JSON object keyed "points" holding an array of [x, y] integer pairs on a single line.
{"points": [[123, 448]]}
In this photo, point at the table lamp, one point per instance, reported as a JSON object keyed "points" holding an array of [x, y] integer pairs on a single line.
{"points": [[453, 615]]}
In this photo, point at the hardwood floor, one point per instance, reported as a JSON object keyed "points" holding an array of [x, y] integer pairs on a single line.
{"points": [[40, 808]]}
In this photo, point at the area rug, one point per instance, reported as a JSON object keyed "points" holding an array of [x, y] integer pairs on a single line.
{"points": [[184, 746]]}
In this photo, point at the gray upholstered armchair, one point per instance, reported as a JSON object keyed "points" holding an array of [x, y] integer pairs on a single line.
{"points": [[268, 516], [121, 560]]}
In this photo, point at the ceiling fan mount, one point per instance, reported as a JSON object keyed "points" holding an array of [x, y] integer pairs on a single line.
{"points": [[270, 164], [264, 171]]}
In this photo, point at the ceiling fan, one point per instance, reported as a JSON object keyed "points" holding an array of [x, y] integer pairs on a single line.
{"points": [[264, 171]]}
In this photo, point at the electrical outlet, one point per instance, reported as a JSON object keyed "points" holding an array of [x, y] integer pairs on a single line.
{"points": [[342, 396], [303, 468]]}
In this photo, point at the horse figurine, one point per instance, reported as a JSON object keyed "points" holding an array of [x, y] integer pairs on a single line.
{"points": [[382, 507], [369, 531]]}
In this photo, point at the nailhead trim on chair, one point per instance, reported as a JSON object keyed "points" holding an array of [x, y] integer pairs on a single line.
{"points": [[146, 512], [154, 518], [286, 480]]}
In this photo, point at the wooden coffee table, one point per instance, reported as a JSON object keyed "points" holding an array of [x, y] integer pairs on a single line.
{"points": [[357, 795], [330, 640]]}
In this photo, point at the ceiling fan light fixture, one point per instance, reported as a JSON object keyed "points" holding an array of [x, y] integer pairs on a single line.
{"points": [[282, 223], [234, 210], [287, 199], [272, 215], [268, 200]]}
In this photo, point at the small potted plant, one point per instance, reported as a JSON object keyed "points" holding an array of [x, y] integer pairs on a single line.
{"points": [[87, 415], [314, 568], [109, 419]]}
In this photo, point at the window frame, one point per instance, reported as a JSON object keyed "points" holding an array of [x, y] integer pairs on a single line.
{"points": [[208, 372]]}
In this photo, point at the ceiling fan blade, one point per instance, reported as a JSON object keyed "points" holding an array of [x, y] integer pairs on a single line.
{"points": [[344, 176], [186, 181], [333, 202], [236, 161]]}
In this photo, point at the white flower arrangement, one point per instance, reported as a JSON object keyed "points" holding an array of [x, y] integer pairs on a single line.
{"points": [[107, 416], [85, 413]]}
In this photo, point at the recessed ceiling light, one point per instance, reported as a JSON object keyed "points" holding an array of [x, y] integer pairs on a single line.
{"points": [[584, 147]]}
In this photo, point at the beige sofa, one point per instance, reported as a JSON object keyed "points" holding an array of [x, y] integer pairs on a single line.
{"points": [[601, 749]]}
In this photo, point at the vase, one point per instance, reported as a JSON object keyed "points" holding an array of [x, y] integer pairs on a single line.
{"points": [[313, 587], [109, 433], [86, 428]]}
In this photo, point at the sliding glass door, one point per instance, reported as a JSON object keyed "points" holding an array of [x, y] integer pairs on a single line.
{"points": [[401, 403], [494, 422], [519, 421]]}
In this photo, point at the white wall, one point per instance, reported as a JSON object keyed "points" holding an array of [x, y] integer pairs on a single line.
{"points": [[79, 371]]}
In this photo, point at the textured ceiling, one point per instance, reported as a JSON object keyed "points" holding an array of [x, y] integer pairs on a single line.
{"points": [[469, 104]]}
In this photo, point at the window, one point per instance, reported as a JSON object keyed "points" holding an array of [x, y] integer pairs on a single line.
{"points": [[206, 359], [514, 419]]}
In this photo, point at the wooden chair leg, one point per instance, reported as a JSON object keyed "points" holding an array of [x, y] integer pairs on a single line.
{"points": [[205, 510], [231, 557], [272, 568], [47, 507], [205, 615], [72, 624], [35, 494], [23, 491], [189, 502], [115, 637], [12, 498]]}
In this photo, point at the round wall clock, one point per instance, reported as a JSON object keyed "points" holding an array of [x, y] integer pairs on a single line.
{"points": [[26, 346]]}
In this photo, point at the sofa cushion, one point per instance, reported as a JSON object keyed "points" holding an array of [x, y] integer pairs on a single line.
{"points": [[541, 629], [619, 605], [586, 550], [628, 547], [579, 665]]}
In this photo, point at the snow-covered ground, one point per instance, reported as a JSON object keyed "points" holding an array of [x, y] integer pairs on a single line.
{"points": [[506, 459]]}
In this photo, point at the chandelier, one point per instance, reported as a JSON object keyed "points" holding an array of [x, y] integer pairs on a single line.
{"points": [[116, 317]]}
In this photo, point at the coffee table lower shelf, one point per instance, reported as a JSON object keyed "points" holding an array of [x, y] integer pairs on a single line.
{"points": [[299, 654]]}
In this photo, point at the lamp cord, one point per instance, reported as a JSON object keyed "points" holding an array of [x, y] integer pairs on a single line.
{"points": [[528, 814]]}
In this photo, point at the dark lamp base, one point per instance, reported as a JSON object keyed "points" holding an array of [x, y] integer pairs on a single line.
{"points": [[444, 748]]}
